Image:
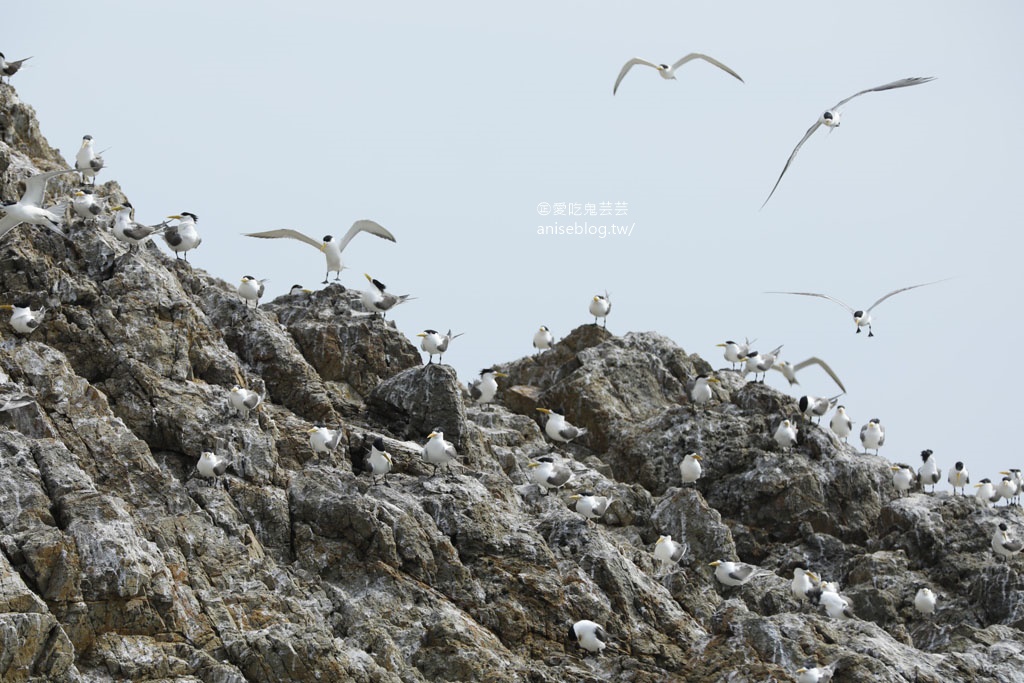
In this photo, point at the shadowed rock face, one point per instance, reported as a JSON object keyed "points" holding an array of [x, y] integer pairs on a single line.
{"points": [[119, 563]]}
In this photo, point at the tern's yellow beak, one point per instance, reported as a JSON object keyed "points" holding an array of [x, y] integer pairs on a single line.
{"points": [[544, 410], [812, 575], [367, 275], [312, 429], [575, 496], [697, 457], [721, 345], [422, 334], [176, 217], [714, 379], [715, 563], [500, 374], [532, 464], [431, 435]]}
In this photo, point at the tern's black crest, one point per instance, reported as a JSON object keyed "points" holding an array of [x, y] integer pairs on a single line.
{"points": [[858, 314], [572, 633], [1003, 527], [485, 371], [559, 411], [378, 443], [586, 493], [87, 137], [378, 284], [248, 277], [876, 420], [88, 190], [192, 215], [430, 331], [296, 286], [828, 116], [664, 66], [803, 404], [986, 480], [959, 466], [328, 238], [729, 341], [546, 458], [925, 454]]}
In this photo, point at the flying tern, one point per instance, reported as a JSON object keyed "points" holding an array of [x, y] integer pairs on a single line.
{"points": [[331, 247], [669, 72]]}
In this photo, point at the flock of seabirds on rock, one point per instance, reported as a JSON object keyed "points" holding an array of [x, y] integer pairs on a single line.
{"points": [[546, 473]]}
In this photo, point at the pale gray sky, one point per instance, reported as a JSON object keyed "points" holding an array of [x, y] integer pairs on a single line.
{"points": [[450, 123]]}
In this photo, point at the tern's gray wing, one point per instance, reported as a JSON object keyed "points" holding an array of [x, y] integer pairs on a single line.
{"points": [[252, 400], [902, 83], [602, 505], [810, 131], [35, 187], [823, 296], [141, 232], [449, 450], [8, 223], [16, 402], [629, 65], [824, 366], [172, 235], [333, 443], [474, 390], [742, 572], [559, 475], [221, 467], [678, 554], [709, 60], [285, 232], [902, 289], [364, 226], [1013, 546], [569, 432]]}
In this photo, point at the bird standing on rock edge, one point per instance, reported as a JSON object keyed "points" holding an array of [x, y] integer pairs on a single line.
{"points": [[378, 461], [872, 435], [668, 552], [600, 307], [380, 301], [590, 636], [841, 424], [543, 339], [690, 469], [484, 389], [547, 474], [434, 343], [23, 319], [437, 452], [959, 478], [929, 473], [10, 68], [590, 506], [183, 237], [558, 429]]}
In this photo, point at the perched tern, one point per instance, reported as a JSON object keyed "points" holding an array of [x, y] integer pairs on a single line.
{"points": [[378, 462], [815, 674], [929, 473], [23, 319], [84, 204], [299, 289], [761, 362], [29, 209], [590, 636], [789, 370], [1006, 488], [10, 68], [669, 72], [733, 573], [558, 429], [590, 506], [183, 237], [376, 300], [211, 466], [699, 390], [831, 119], [785, 434], [435, 343], [924, 601], [841, 424], [600, 307], [903, 478], [668, 552], [1018, 480], [836, 606], [986, 494], [484, 389], [243, 400], [331, 247], [736, 353], [127, 230], [802, 584], [872, 435], [547, 474], [251, 289], [87, 162], [542, 339], [1002, 545], [959, 478], [438, 452], [816, 407], [324, 440], [690, 469], [861, 318]]}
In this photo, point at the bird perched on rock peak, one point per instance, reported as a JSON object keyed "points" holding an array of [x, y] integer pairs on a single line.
{"points": [[183, 237], [735, 352], [600, 307], [929, 472], [761, 363], [378, 300], [8, 69], [435, 343], [698, 389], [87, 162], [330, 246], [872, 435], [841, 424], [903, 478], [959, 478], [815, 407], [251, 289], [543, 339], [986, 494]]}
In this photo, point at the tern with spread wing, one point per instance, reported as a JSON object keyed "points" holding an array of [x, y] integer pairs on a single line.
{"points": [[669, 72], [862, 318], [789, 370], [10, 68], [331, 247], [29, 209], [830, 119]]}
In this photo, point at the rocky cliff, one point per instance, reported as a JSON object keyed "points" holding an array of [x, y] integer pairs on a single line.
{"points": [[119, 563]]}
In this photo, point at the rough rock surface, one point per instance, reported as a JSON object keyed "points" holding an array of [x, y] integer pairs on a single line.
{"points": [[119, 563]]}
